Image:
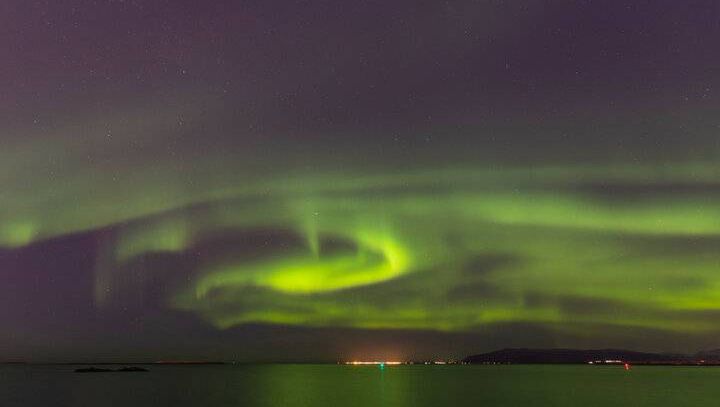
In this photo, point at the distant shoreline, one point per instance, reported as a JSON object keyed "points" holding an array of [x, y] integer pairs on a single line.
{"points": [[507, 356], [413, 364]]}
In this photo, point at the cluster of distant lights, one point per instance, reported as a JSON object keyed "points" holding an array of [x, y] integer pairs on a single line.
{"points": [[391, 363], [382, 364], [606, 362]]}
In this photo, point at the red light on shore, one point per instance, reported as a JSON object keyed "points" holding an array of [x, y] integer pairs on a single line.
{"points": [[627, 366]]}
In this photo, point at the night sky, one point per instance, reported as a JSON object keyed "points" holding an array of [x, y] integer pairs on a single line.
{"points": [[323, 180]]}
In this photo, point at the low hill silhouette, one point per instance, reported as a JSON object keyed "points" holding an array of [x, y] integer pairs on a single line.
{"points": [[570, 356]]}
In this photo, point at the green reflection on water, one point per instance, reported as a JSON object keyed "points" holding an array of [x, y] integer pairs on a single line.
{"points": [[339, 385]]}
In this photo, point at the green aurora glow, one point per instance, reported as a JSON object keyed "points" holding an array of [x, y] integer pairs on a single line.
{"points": [[448, 249]]}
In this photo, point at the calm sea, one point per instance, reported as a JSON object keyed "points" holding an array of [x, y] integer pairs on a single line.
{"points": [[331, 385]]}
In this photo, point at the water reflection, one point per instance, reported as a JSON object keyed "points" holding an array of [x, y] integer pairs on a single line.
{"points": [[340, 385]]}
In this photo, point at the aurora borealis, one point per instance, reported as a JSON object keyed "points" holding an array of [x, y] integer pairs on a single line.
{"points": [[331, 179]]}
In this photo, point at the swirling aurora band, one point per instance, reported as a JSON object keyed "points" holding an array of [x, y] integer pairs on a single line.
{"points": [[449, 249]]}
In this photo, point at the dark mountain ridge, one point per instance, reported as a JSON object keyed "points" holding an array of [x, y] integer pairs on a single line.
{"points": [[595, 356]]}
